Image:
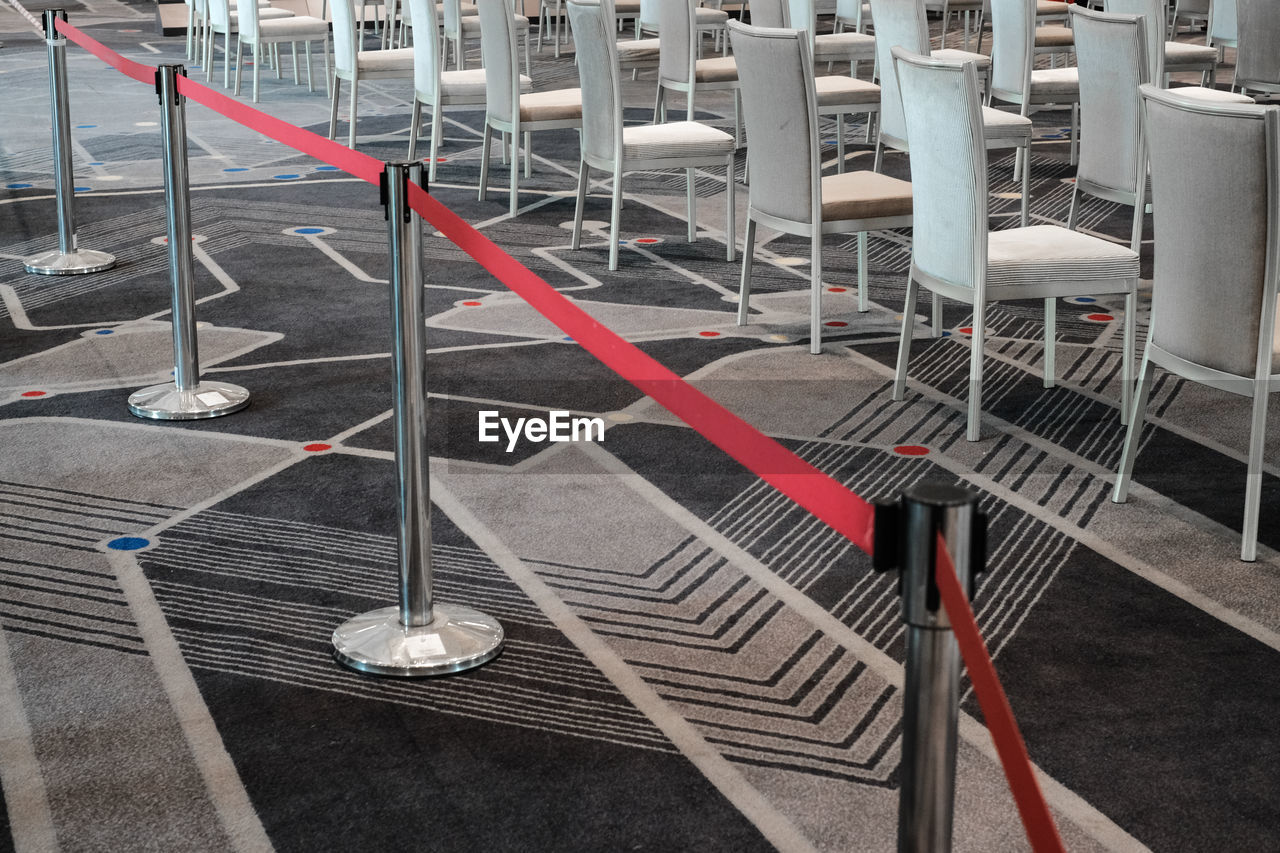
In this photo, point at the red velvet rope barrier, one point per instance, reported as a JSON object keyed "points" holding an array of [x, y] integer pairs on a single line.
{"points": [[815, 491]]}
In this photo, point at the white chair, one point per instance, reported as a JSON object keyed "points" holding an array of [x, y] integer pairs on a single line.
{"points": [[548, 10], [610, 146], [1014, 77], [1187, 10], [902, 23], [458, 28], [852, 13], [680, 69], [707, 21], [1217, 264], [1166, 57], [300, 28], [837, 96], [953, 252], [222, 20], [1224, 28], [847, 47], [353, 64], [789, 193], [510, 107]]}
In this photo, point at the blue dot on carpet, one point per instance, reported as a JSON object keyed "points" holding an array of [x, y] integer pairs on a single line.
{"points": [[128, 543]]}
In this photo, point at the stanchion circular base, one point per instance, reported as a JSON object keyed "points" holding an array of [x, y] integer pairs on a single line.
{"points": [[458, 638], [206, 400], [70, 263]]}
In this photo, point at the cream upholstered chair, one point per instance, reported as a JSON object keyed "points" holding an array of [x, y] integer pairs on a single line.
{"points": [[1217, 264], [1187, 10], [791, 195], [1166, 57], [707, 20], [1014, 77], [222, 18], [847, 47], [680, 70], [902, 23], [510, 107], [438, 89], [1257, 56], [837, 96], [955, 255], [353, 64], [299, 28], [458, 28], [608, 145]]}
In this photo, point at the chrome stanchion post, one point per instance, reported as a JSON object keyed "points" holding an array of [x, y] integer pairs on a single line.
{"points": [[906, 538], [67, 259], [186, 398], [421, 636]]}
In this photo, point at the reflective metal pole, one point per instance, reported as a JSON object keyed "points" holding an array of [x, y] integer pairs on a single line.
{"points": [[67, 259], [420, 636], [186, 398], [906, 536]]}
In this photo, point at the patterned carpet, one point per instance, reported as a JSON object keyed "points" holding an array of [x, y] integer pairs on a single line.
{"points": [[691, 662]]}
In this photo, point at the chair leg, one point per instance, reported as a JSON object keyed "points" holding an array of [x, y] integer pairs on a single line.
{"points": [[1130, 343], [730, 195], [333, 113], [879, 161], [226, 60], [355, 93], [691, 207], [1253, 482], [1075, 133], [973, 432], [257, 63], [659, 103], [1050, 339], [415, 128], [744, 281], [1121, 491], [528, 154], [236, 90], [515, 169], [311, 85], [1135, 239], [1026, 188], [862, 272], [840, 143], [582, 199], [485, 143], [904, 342], [815, 290], [1074, 208], [935, 320], [437, 130], [615, 218], [737, 118]]}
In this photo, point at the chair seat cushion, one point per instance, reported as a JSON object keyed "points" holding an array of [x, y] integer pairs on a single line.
{"points": [[1177, 53], [1054, 37], [398, 59], [467, 84], [999, 124], [864, 195], [1050, 8], [844, 46], [952, 55], [835, 91], [465, 10], [1049, 253], [638, 50], [553, 105], [269, 14], [719, 69], [1055, 81], [298, 27], [1203, 94], [705, 17], [471, 25], [626, 8], [673, 139]]}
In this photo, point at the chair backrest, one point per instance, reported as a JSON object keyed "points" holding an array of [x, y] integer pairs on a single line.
{"points": [[649, 15], [1258, 59], [1013, 24], [345, 46], [1223, 26], [219, 14], [780, 110], [427, 57], [1215, 229], [802, 15], [1111, 54], [851, 10], [1152, 14], [677, 41], [899, 23], [501, 65], [597, 53], [948, 168], [770, 14], [453, 18]]}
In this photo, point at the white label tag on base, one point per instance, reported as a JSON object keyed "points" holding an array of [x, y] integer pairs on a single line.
{"points": [[212, 398]]}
